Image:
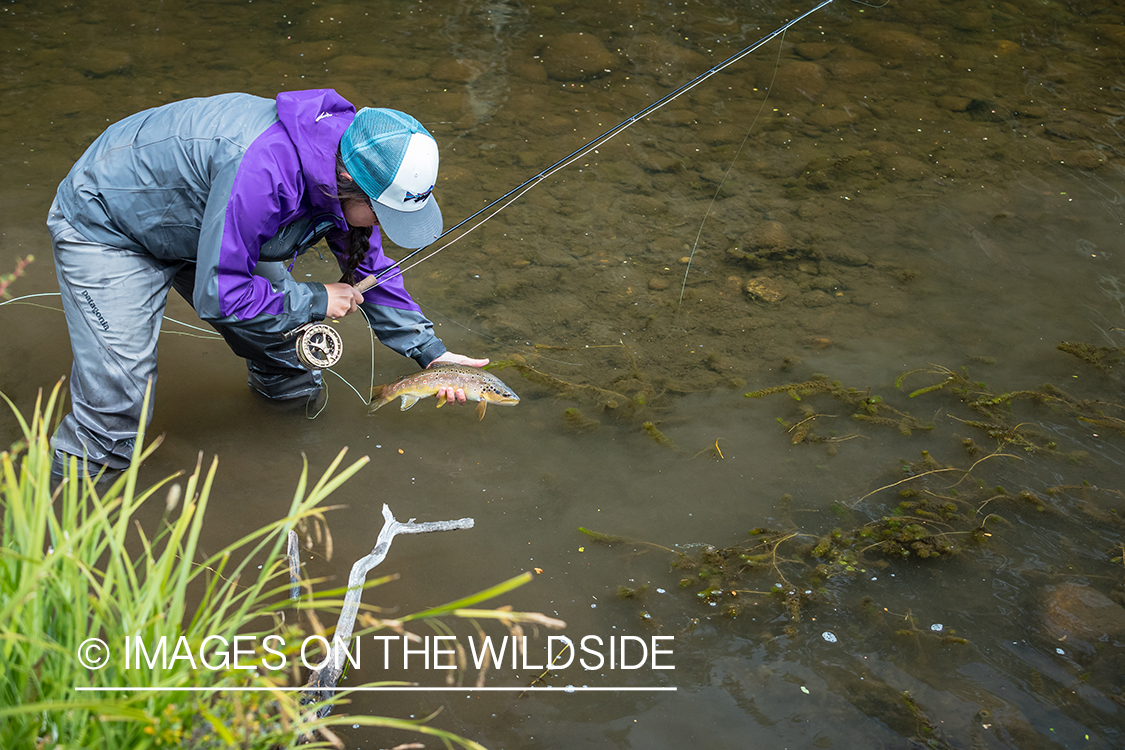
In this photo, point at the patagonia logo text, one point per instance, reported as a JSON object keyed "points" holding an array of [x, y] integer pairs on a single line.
{"points": [[418, 197], [97, 313]]}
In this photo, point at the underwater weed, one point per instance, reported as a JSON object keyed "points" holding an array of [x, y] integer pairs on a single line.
{"points": [[866, 407], [1102, 358]]}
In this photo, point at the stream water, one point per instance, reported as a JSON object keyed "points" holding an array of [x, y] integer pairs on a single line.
{"points": [[928, 186]]}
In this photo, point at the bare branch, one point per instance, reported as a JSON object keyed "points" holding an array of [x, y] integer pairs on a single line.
{"points": [[293, 552], [322, 682]]}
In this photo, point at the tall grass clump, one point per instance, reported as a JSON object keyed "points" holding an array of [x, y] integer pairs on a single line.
{"points": [[75, 564]]}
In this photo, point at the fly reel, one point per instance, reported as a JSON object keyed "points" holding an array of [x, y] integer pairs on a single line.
{"points": [[319, 346]]}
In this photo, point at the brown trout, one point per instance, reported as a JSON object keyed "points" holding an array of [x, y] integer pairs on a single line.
{"points": [[479, 385]]}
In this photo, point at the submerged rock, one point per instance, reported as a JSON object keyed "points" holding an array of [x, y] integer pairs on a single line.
{"points": [[796, 81], [766, 289], [769, 235], [456, 70], [102, 62], [895, 44], [954, 103], [1080, 617], [577, 57]]}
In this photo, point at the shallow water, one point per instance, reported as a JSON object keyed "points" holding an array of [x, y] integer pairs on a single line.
{"points": [[934, 184]]}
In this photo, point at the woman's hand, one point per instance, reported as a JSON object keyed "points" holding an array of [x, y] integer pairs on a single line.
{"points": [[342, 300], [449, 358]]}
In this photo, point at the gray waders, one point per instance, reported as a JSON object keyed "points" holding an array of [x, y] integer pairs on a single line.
{"points": [[114, 302]]}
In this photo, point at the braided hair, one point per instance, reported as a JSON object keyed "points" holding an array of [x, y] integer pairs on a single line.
{"points": [[357, 240]]}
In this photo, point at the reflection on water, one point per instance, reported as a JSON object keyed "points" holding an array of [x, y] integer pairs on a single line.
{"points": [[933, 184]]}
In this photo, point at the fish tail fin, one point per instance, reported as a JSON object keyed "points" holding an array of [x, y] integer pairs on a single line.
{"points": [[377, 399]]}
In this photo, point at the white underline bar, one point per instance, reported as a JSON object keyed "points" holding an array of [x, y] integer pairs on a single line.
{"points": [[389, 688]]}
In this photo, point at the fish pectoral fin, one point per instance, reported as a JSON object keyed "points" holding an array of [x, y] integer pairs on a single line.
{"points": [[481, 406], [440, 403], [407, 402]]}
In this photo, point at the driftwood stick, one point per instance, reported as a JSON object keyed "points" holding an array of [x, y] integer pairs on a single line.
{"points": [[321, 682], [293, 552]]}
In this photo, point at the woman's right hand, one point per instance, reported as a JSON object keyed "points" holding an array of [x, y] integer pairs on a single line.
{"points": [[342, 299]]}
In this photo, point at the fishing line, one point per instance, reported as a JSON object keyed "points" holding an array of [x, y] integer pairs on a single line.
{"points": [[726, 174], [206, 333], [515, 193]]}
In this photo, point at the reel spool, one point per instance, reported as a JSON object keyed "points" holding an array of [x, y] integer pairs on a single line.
{"points": [[319, 346]]}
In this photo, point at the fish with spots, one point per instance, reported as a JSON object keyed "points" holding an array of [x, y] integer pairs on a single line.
{"points": [[479, 385]]}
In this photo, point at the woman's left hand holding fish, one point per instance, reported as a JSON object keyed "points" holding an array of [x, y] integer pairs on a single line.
{"points": [[449, 358]]}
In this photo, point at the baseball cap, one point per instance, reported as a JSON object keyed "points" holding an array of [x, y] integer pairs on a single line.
{"points": [[394, 159]]}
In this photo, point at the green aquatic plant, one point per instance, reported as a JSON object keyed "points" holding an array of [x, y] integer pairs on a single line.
{"points": [[612, 539], [996, 408], [1102, 358], [605, 398], [658, 437], [867, 408], [576, 421]]}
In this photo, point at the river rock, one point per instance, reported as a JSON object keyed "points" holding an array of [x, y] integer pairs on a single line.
{"points": [[1087, 159], [310, 52], [904, 168], [850, 71], [657, 51], [895, 44], [769, 235], [530, 71], [456, 70], [1079, 617], [102, 62], [846, 257], [954, 103], [766, 289], [67, 100], [813, 50], [971, 20], [817, 298], [577, 57], [796, 81], [826, 118], [357, 65]]}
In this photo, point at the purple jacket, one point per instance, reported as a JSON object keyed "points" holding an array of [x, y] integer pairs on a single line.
{"points": [[226, 182]]}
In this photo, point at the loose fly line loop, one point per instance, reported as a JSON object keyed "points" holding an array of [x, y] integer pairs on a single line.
{"points": [[515, 193]]}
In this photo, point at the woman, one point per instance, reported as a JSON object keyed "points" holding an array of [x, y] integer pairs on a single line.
{"points": [[215, 197]]}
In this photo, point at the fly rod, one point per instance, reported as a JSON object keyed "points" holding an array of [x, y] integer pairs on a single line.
{"points": [[515, 193]]}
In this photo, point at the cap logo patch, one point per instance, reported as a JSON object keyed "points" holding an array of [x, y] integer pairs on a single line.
{"points": [[418, 197]]}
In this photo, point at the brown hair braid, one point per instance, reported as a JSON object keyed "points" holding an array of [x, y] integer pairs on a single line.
{"points": [[357, 240]]}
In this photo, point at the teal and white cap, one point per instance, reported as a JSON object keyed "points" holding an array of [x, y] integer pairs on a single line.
{"points": [[394, 159]]}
